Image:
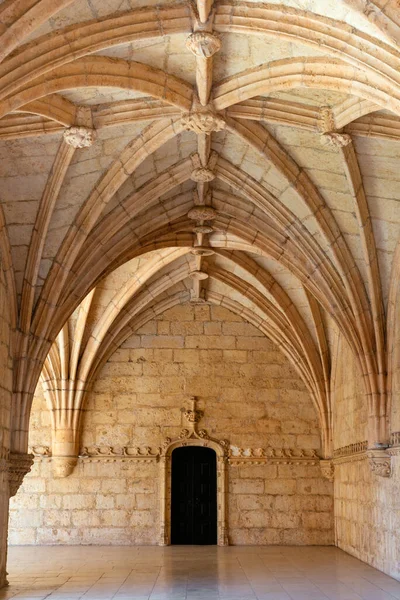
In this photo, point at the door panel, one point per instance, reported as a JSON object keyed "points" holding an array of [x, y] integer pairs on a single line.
{"points": [[194, 496]]}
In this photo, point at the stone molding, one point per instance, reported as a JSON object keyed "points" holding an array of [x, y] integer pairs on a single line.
{"points": [[18, 466], [79, 137]]}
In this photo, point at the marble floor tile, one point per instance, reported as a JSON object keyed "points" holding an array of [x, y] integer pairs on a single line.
{"points": [[203, 573]]}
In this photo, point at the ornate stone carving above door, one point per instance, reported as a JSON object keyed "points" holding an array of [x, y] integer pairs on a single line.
{"points": [[193, 436]]}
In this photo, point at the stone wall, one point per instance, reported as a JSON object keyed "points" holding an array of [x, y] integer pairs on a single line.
{"points": [[5, 408], [249, 393], [367, 508]]}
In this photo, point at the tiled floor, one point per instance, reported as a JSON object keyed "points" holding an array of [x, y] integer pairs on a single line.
{"points": [[195, 573]]}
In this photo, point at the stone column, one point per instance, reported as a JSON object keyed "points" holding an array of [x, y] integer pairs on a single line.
{"points": [[4, 500]]}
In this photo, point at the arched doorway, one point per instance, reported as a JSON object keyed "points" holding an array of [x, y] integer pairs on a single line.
{"points": [[194, 496]]}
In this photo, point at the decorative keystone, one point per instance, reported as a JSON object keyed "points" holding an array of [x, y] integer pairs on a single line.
{"points": [[202, 213], [18, 466], [380, 462], [202, 122], [202, 175], [327, 469], [334, 138], [204, 229], [79, 137], [203, 44]]}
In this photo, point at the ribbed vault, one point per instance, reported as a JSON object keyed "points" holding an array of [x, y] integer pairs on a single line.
{"points": [[253, 184]]}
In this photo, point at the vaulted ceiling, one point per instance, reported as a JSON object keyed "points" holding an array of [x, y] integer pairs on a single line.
{"points": [[243, 154]]}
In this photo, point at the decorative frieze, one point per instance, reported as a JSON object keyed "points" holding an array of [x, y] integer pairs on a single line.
{"points": [[379, 458], [112, 453], [259, 456], [18, 466], [350, 450]]}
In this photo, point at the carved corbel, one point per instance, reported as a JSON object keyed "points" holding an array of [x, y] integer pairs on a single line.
{"points": [[64, 451], [327, 469], [18, 466], [63, 465], [380, 462]]}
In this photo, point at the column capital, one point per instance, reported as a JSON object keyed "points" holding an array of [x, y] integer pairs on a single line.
{"points": [[19, 464]]}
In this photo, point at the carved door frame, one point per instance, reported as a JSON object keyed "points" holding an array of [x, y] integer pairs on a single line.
{"points": [[221, 449]]}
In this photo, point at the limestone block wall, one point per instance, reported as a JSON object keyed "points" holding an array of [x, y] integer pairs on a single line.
{"points": [[367, 507], [250, 395]]}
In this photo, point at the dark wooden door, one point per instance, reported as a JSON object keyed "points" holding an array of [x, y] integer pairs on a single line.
{"points": [[194, 496]]}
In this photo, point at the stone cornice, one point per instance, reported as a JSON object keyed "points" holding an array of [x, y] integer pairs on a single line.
{"points": [[379, 458]]}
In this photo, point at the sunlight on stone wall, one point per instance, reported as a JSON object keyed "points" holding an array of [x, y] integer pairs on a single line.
{"points": [[367, 508], [250, 394]]}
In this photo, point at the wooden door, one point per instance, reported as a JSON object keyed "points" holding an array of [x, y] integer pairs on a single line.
{"points": [[194, 496]]}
